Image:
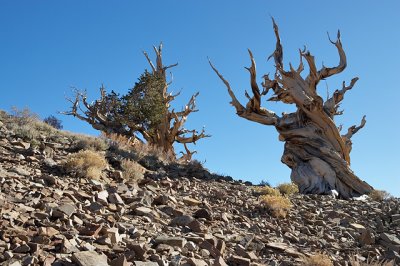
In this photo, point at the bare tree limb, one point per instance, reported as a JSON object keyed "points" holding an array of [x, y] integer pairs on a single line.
{"points": [[186, 157], [332, 105], [265, 116], [329, 71], [316, 152]]}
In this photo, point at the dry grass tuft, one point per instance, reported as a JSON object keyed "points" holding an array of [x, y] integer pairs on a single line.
{"points": [[137, 149], [119, 140], [288, 188], [266, 190], [379, 195], [86, 163], [278, 205], [317, 260], [132, 170], [84, 142], [26, 124]]}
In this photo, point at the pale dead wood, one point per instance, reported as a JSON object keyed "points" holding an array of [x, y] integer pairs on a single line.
{"points": [[102, 114], [314, 149]]}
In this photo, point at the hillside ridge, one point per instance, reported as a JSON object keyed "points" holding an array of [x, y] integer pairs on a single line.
{"points": [[168, 213]]}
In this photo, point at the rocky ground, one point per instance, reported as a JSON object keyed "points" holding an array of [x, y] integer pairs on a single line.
{"points": [[177, 215]]}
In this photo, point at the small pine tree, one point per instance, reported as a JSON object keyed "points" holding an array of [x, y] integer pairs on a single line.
{"points": [[53, 121], [145, 103]]}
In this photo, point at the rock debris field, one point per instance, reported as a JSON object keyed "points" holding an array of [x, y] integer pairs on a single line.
{"points": [[175, 215]]}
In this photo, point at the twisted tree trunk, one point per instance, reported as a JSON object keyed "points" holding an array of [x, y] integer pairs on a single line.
{"points": [[104, 114], [317, 153]]}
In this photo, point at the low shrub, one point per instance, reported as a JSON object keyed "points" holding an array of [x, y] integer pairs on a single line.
{"points": [[268, 191], [83, 142], [288, 188], [132, 170], [277, 204], [317, 260], [86, 163], [136, 149], [264, 183], [26, 124], [379, 195], [53, 121]]}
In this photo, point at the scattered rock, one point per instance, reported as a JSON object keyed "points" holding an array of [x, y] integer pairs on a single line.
{"points": [[177, 215], [89, 258], [182, 220], [172, 241]]}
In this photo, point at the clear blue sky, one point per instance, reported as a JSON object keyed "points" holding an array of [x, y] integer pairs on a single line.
{"points": [[48, 46]]}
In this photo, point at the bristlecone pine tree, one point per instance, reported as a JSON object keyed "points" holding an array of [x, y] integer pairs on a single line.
{"points": [[315, 150], [144, 113]]}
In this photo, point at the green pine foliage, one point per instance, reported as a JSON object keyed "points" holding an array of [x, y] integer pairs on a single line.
{"points": [[145, 104]]}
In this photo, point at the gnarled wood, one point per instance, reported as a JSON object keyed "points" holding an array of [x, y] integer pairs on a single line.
{"points": [[103, 115], [317, 153]]}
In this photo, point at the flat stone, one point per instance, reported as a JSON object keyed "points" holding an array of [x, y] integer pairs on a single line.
{"points": [[191, 246], [284, 247], [69, 246], [145, 263], [89, 258], [22, 249], [196, 226], [172, 241], [139, 249], [357, 227], [239, 261], [8, 254], [115, 199], [182, 220], [120, 261], [21, 144], [202, 213], [214, 252], [29, 260], [102, 197], [19, 170], [67, 209], [49, 162], [390, 238], [220, 262], [113, 235], [49, 180], [96, 207], [143, 211], [15, 263], [190, 201], [47, 231]]}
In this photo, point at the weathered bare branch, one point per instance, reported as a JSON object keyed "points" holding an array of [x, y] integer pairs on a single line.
{"points": [[331, 106], [278, 53], [106, 113], [186, 157], [153, 68], [354, 129], [329, 71], [350, 132], [264, 117], [191, 139], [314, 149]]}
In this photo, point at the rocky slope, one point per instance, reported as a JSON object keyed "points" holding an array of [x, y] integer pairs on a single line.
{"points": [[177, 215]]}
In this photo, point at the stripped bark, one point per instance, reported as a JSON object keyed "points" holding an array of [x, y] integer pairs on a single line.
{"points": [[316, 152], [103, 115]]}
